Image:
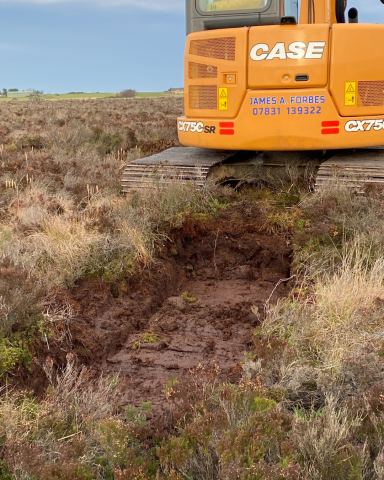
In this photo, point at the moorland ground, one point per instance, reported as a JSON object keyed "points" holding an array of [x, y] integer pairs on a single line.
{"points": [[180, 333]]}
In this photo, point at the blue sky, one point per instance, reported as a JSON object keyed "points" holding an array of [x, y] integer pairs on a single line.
{"points": [[101, 45]]}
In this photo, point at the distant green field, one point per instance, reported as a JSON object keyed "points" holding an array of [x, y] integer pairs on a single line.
{"points": [[8, 99], [79, 95], [51, 96], [64, 96], [158, 94]]}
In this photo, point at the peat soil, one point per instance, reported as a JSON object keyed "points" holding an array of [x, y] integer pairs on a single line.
{"points": [[227, 269]]}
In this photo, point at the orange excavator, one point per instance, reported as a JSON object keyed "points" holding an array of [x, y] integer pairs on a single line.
{"points": [[265, 83]]}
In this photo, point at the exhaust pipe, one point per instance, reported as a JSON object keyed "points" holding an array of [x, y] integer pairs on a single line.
{"points": [[353, 15]]}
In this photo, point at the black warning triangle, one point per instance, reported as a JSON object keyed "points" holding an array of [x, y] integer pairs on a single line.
{"points": [[223, 94], [350, 89]]}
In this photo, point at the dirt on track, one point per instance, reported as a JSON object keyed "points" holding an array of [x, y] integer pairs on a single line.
{"points": [[150, 333]]}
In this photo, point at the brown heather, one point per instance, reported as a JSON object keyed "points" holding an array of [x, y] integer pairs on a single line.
{"points": [[308, 401], [61, 166]]}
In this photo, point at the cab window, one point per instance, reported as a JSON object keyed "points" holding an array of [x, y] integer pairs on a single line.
{"points": [[211, 6]]}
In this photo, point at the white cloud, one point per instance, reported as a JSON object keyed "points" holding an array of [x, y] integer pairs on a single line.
{"points": [[176, 5]]}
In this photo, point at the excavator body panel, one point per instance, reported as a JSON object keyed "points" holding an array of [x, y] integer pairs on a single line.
{"points": [[357, 69], [280, 120], [317, 85], [216, 61], [289, 56]]}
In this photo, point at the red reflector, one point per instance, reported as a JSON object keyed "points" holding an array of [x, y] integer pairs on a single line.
{"points": [[227, 125], [330, 131], [227, 132], [330, 124]]}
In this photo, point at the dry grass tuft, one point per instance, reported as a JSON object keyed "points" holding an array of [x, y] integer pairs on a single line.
{"points": [[56, 435], [322, 440], [341, 313]]}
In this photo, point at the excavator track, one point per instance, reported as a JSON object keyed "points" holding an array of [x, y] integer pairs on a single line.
{"points": [[198, 165], [175, 164], [355, 168]]}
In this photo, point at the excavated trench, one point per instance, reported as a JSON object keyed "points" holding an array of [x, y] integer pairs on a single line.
{"points": [[227, 269]]}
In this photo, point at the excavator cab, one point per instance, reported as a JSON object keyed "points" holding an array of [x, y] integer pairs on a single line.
{"points": [[217, 14]]}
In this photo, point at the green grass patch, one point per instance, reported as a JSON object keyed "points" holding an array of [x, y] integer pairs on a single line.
{"points": [[158, 94], [189, 298]]}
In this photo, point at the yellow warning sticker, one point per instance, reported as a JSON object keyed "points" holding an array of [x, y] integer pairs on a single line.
{"points": [[350, 93], [223, 98], [223, 104], [350, 87], [223, 92]]}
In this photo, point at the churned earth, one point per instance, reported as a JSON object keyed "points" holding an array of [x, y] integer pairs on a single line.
{"points": [[198, 306]]}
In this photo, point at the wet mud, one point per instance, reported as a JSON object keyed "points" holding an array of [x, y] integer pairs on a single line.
{"points": [[198, 306]]}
